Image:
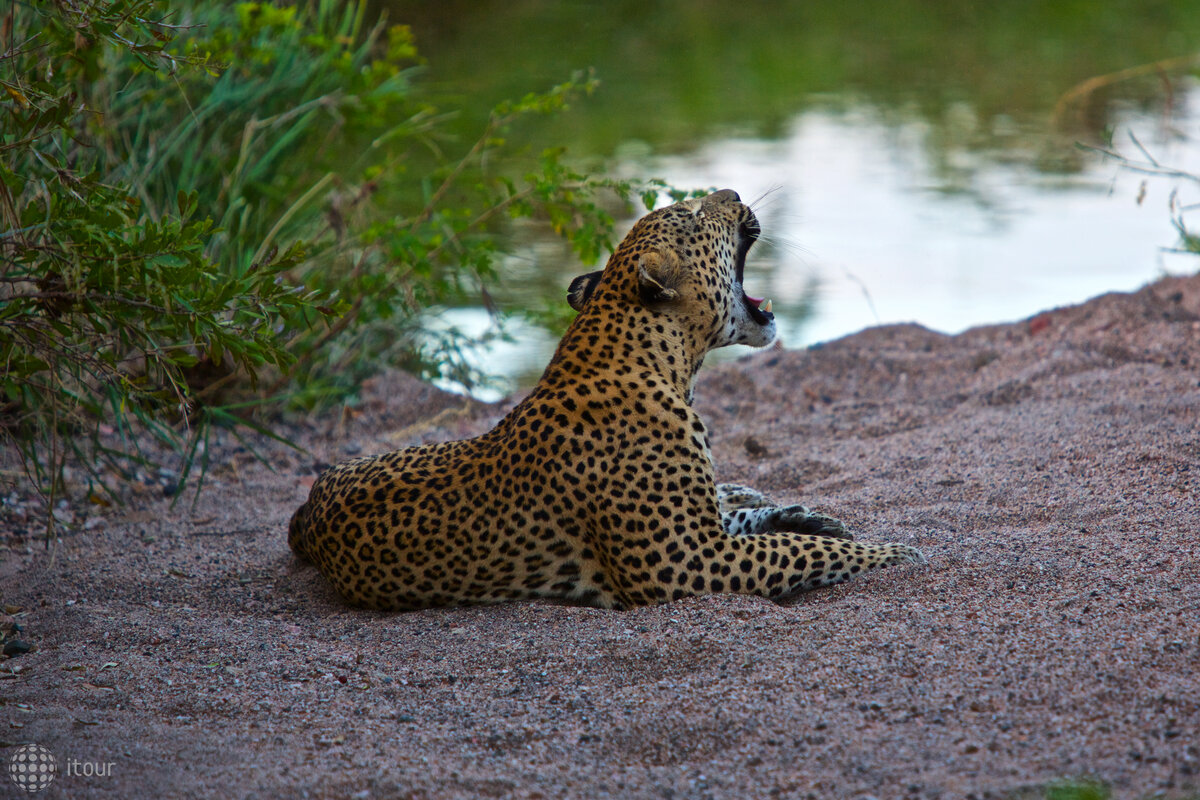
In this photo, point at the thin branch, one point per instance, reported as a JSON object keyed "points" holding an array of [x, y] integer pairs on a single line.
{"points": [[1150, 168], [1085, 88], [492, 124], [1145, 152]]}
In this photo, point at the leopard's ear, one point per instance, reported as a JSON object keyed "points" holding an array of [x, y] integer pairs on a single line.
{"points": [[659, 275], [581, 289]]}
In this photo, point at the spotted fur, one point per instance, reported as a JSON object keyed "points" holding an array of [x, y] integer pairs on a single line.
{"points": [[598, 487]]}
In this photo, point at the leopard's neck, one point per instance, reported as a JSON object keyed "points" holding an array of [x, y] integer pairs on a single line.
{"points": [[637, 347]]}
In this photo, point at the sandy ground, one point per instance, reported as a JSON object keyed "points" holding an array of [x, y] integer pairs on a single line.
{"points": [[1050, 469]]}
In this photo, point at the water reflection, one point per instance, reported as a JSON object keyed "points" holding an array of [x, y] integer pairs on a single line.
{"points": [[912, 161], [873, 213], [861, 228]]}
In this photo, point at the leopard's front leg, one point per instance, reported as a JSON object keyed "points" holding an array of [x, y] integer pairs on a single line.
{"points": [[746, 511]]}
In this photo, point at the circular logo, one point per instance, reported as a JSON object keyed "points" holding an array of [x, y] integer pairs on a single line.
{"points": [[32, 767]]}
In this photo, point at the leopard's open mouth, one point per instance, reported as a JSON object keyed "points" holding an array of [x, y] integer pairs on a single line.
{"points": [[759, 309]]}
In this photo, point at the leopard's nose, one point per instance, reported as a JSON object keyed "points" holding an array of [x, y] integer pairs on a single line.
{"points": [[724, 196]]}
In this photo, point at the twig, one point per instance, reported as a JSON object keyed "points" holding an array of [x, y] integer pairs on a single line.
{"points": [[1087, 87], [492, 124], [1152, 168], [1145, 152], [865, 291]]}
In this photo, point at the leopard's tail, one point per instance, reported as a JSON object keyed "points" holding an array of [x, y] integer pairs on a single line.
{"points": [[300, 533]]}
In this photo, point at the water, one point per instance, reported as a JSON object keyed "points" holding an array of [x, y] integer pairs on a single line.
{"points": [[859, 231], [953, 198], [885, 239]]}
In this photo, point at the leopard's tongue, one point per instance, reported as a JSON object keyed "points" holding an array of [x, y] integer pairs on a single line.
{"points": [[760, 310]]}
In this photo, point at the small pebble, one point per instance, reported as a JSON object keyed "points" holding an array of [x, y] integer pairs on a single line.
{"points": [[16, 647], [754, 447]]}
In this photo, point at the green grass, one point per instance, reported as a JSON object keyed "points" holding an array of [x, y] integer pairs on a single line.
{"points": [[1088, 788], [1078, 789]]}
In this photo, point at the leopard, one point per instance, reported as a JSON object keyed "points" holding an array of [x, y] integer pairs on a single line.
{"points": [[598, 488]]}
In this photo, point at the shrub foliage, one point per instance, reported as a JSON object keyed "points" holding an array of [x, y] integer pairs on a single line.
{"points": [[206, 207]]}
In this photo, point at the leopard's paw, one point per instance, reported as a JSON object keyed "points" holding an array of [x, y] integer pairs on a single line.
{"points": [[798, 519]]}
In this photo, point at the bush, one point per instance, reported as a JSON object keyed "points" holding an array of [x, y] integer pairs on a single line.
{"points": [[207, 208]]}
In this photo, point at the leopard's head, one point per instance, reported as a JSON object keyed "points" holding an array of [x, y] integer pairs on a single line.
{"points": [[684, 264]]}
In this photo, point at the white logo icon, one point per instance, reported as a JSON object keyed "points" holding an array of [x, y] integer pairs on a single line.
{"points": [[32, 767]]}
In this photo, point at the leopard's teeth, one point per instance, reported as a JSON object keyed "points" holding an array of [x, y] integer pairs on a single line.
{"points": [[766, 306]]}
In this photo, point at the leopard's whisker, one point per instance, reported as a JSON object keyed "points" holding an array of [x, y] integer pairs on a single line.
{"points": [[766, 199]]}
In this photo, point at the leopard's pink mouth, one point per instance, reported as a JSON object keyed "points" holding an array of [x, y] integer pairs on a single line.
{"points": [[760, 310]]}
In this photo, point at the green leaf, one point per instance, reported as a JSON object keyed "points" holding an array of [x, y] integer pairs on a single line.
{"points": [[168, 260]]}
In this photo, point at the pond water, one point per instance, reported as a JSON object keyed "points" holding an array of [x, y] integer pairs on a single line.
{"points": [[914, 167]]}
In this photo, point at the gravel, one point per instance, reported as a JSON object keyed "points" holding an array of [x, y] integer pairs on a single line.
{"points": [[1049, 468]]}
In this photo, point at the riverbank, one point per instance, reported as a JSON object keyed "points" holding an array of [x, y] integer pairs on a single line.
{"points": [[1049, 468]]}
